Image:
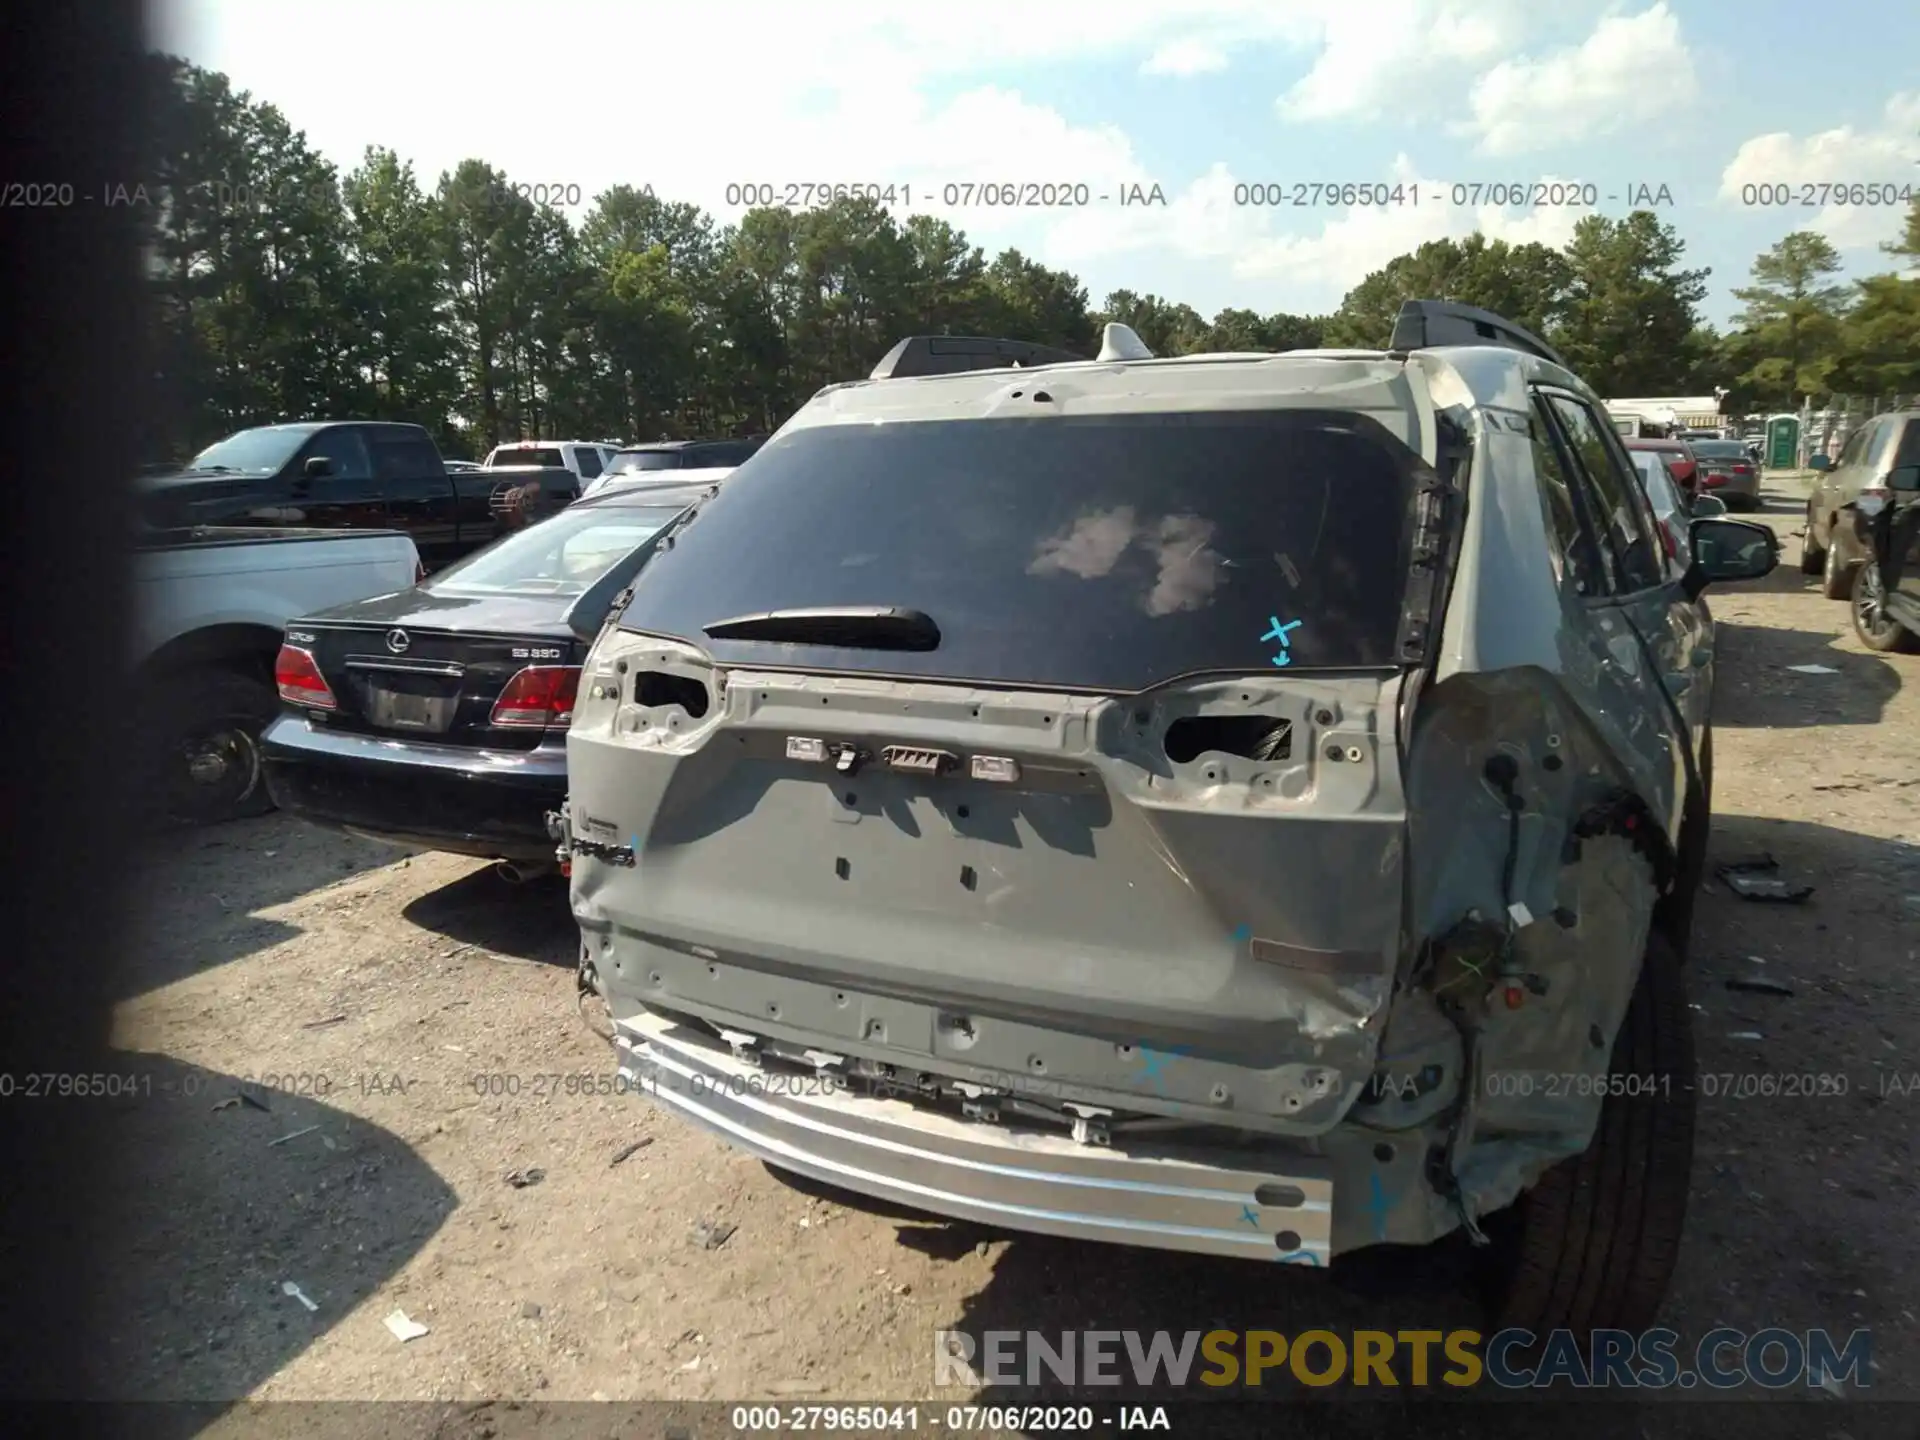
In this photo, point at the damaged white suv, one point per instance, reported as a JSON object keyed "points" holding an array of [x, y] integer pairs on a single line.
{"points": [[1235, 803]]}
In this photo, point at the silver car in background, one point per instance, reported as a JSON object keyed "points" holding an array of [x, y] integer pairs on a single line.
{"points": [[1727, 470], [1670, 507]]}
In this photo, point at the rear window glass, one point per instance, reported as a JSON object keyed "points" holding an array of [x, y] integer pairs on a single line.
{"points": [[1098, 553], [1719, 449], [629, 461], [560, 556], [528, 456]]}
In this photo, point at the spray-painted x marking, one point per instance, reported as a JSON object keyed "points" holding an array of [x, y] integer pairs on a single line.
{"points": [[1377, 1206], [1279, 632], [1153, 1062]]}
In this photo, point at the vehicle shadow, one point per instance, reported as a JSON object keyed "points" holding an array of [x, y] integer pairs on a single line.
{"points": [[198, 893], [529, 921], [1756, 686], [235, 1199]]}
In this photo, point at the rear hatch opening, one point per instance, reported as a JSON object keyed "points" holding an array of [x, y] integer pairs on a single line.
{"points": [[1088, 780]]}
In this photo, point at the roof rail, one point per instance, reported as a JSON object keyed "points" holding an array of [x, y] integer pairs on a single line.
{"points": [[953, 354], [1424, 324]]}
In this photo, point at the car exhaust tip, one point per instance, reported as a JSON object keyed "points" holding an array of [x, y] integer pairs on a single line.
{"points": [[523, 872]]}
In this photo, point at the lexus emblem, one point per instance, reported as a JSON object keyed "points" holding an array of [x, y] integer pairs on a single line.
{"points": [[398, 641]]}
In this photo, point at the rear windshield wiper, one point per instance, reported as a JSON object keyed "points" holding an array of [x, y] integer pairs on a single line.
{"points": [[853, 627]]}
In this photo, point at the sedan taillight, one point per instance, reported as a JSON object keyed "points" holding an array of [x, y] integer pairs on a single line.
{"points": [[297, 675], [539, 697]]}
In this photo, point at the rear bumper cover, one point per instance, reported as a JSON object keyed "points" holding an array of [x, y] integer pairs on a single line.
{"points": [[486, 803], [1216, 1202]]}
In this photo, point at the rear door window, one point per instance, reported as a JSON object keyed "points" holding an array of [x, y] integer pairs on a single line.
{"points": [[1624, 517], [403, 457], [1876, 445], [589, 460], [1578, 553], [1909, 442], [1107, 553]]}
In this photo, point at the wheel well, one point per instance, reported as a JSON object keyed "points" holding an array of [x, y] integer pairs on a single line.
{"points": [[237, 646]]}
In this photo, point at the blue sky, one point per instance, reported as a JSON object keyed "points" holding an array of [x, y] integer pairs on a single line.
{"points": [[1198, 97]]}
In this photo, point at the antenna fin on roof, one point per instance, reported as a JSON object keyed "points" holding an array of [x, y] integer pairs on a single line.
{"points": [[1118, 342]]}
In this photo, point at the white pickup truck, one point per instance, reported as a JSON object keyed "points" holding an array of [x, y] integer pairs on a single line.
{"points": [[208, 607], [586, 459]]}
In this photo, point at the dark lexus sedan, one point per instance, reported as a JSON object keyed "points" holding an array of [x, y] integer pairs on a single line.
{"points": [[437, 717]]}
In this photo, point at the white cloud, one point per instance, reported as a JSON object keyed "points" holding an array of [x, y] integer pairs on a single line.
{"points": [[1185, 58], [1315, 266], [882, 91], [893, 93], [1600, 86], [1795, 170], [1396, 56]]}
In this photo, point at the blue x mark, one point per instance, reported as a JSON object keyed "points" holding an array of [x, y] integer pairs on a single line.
{"points": [[1250, 1215], [1279, 631], [1377, 1206], [1152, 1062]]}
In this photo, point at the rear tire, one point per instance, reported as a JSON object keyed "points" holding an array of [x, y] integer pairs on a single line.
{"points": [[203, 745], [1593, 1244], [1877, 629], [1813, 559]]}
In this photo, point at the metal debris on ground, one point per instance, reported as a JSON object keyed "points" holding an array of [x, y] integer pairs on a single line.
{"points": [[287, 1287], [1813, 669], [1746, 1035], [294, 1135], [521, 1179], [321, 1024], [712, 1234], [405, 1329], [1756, 878], [627, 1152], [1758, 985]]}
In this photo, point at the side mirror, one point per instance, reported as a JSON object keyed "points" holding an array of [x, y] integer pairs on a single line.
{"points": [[1729, 550], [1707, 505], [1820, 462], [1904, 477], [317, 466]]}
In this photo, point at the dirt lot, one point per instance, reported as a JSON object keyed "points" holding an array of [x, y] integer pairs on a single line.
{"points": [[398, 1000]]}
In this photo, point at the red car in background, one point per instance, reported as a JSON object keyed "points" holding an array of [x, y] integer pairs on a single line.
{"points": [[1679, 457]]}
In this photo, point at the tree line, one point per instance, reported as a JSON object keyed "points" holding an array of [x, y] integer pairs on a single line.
{"points": [[285, 289]]}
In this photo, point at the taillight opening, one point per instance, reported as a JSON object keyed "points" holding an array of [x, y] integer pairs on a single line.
{"points": [[297, 676], [537, 698]]}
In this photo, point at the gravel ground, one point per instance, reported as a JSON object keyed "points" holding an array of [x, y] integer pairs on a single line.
{"points": [[405, 1152]]}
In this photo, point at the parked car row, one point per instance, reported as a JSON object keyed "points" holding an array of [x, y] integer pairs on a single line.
{"points": [[1863, 530], [1069, 755], [209, 608], [437, 716]]}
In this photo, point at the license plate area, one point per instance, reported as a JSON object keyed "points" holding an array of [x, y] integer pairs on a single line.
{"points": [[408, 702]]}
